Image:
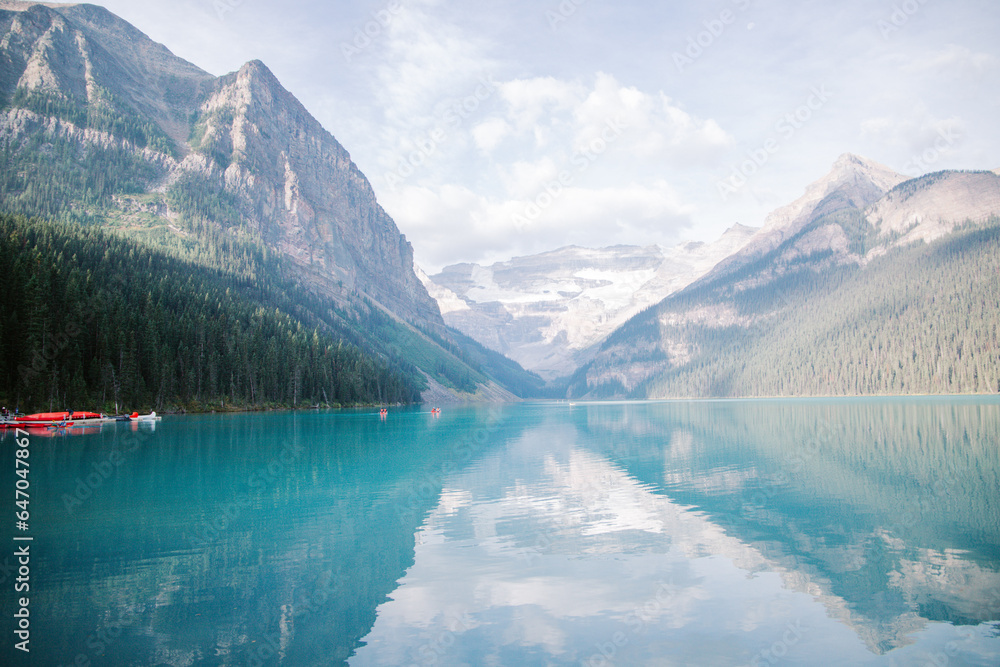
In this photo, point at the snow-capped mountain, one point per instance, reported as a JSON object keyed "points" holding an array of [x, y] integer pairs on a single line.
{"points": [[547, 311]]}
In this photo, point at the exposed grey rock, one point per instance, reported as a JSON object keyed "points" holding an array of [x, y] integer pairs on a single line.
{"points": [[295, 184], [853, 183]]}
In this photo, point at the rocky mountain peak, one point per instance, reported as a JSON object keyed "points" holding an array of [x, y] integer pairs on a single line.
{"points": [[242, 133], [740, 228], [851, 166], [255, 77], [548, 311], [852, 181], [314, 203], [738, 233], [87, 55]]}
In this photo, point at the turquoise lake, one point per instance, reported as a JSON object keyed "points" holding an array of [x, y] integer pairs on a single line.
{"points": [[741, 532]]}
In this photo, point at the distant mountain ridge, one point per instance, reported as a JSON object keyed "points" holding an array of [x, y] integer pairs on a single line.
{"points": [[548, 311], [101, 125], [560, 311], [930, 207], [869, 283]]}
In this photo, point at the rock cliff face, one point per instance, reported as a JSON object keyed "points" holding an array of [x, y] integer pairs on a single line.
{"points": [[292, 183], [79, 51], [303, 192]]}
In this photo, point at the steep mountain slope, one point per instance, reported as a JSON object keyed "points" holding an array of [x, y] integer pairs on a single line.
{"points": [[115, 325], [101, 125], [842, 300], [853, 184], [547, 311], [930, 207], [243, 134], [300, 190]]}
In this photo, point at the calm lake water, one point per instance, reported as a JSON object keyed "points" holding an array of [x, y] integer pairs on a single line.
{"points": [[804, 532]]}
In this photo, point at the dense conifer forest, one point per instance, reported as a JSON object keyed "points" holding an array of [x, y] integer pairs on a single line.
{"points": [[93, 319]]}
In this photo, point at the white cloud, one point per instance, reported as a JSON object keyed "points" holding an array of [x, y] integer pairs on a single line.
{"points": [[558, 163], [494, 229], [556, 90], [547, 109], [490, 133], [426, 60], [523, 179], [530, 102]]}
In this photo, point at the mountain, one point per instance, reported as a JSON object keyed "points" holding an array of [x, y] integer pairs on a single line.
{"points": [[853, 184], [868, 284], [102, 126], [242, 134], [299, 188], [548, 311]]}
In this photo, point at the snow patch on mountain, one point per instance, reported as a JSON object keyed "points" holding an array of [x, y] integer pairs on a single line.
{"points": [[548, 311]]}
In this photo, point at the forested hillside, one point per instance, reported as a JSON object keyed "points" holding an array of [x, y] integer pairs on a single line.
{"points": [[924, 318], [91, 319]]}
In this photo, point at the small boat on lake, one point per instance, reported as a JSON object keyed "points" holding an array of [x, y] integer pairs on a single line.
{"points": [[58, 419], [70, 418]]}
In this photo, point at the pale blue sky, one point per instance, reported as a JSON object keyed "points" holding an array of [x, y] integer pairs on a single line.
{"points": [[535, 125]]}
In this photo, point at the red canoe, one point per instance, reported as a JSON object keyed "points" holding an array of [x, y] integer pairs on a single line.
{"points": [[42, 419]]}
